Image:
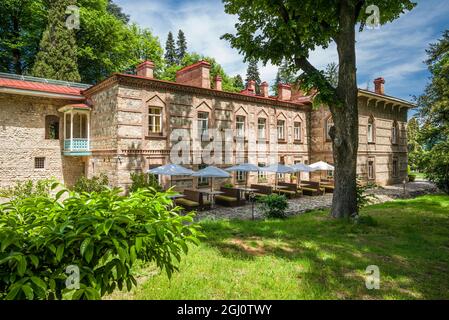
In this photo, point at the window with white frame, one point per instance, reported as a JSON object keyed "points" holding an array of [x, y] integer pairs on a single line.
{"points": [[329, 124], [154, 120], [394, 133], [281, 129], [395, 168], [262, 175], [371, 169], [297, 131], [240, 126], [202, 181], [370, 130], [240, 176], [261, 128], [203, 123]]}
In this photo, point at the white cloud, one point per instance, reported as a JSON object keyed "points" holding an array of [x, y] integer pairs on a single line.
{"points": [[396, 51]]}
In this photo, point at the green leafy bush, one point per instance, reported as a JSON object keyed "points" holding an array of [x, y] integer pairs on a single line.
{"points": [[28, 189], [411, 177], [228, 185], [364, 198], [102, 234], [144, 181], [94, 184], [273, 206]]}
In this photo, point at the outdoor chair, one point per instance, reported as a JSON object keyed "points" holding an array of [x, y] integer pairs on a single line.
{"points": [[312, 188], [328, 185], [229, 198], [291, 191], [193, 200], [261, 190]]}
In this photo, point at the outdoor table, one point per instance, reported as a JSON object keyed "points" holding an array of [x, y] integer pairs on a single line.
{"points": [[244, 190], [211, 195]]}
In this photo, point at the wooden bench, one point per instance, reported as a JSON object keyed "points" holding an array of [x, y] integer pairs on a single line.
{"points": [[230, 197], [261, 190], [193, 200], [328, 185], [312, 188], [291, 190]]}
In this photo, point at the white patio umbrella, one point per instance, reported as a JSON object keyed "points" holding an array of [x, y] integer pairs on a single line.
{"points": [[244, 167], [171, 170], [278, 169], [323, 166], [211, 172], [301, 167]]}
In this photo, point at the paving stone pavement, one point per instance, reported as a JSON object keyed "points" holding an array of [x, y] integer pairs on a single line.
{"points": [[308, 203]]}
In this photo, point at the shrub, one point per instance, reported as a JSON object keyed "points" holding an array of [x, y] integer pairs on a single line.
{"points": [[411, 177], [273, 206], [28, 189], [94, 184], [102, 234], [144, 181], [364, 198], [228, 185]]}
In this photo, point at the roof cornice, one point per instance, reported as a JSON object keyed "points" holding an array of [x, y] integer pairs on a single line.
{"points": [[142, 82], [386, 98]]}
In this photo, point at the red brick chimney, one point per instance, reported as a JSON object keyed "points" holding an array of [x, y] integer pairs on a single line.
{"points": [[251, 86], [264, 89], [379, 87], [218, 85], [197, 74], [145, 69], [284, 92]]}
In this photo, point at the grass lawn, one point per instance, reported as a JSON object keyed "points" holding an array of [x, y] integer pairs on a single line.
{"points": [[314, 257]]}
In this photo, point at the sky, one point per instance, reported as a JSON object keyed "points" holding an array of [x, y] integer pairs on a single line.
{"points": [[395, 51]]}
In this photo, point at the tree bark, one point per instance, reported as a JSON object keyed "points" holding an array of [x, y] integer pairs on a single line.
{"points": [[344, 133]]}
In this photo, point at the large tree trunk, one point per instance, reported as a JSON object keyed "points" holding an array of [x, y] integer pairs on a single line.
{"points": [[345, 130]]}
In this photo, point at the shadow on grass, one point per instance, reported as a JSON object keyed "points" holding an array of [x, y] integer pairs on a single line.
{"points": [[409, 245]]}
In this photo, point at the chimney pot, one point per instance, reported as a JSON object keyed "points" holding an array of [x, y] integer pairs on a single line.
{"points": [[218, 83], [145, 69], [197, 74], [284, 92], [251, 86], [379, 87], [264, 89]]}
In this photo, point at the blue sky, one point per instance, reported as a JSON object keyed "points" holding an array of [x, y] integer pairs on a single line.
{"points": [[396, 51]]}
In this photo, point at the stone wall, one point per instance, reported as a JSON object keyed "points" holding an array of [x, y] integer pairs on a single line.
{"points": [[382, 151], [138, 150], [22, 139]]}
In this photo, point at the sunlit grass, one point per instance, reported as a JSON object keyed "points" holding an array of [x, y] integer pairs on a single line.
{"points": [[315, 257]]}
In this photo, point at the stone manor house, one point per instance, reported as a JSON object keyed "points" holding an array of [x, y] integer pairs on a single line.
{"points": [[124, 124]]}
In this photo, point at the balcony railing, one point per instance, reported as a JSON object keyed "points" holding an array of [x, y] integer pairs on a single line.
{"points": [[76, 146]]}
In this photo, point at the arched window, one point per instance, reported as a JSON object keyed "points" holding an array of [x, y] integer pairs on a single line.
{"points": [[371, 130], [329, 123], [395, 133], [52, 127]]}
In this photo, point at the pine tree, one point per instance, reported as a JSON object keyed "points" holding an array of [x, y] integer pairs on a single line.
{"points": [[238, 82], [182, 46], [275, 85], [284, 75], [57, 57], [252, 73], [170, 50]]}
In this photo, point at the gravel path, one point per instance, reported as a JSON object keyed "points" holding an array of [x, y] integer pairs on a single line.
{"points": [[307, 203]]}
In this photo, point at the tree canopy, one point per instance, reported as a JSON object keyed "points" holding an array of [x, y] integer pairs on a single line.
{"points": [[181, 44], [57, 57], [434, 115], [288, 30]]}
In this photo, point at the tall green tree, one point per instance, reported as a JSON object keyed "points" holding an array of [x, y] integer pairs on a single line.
{"points": [[290, 29], [238, 82], [181, 43], [21, 25], [170, 50], [252, 73], [117, 11], [415, 150], [284, 75], [57, 57], [434, 115]]}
